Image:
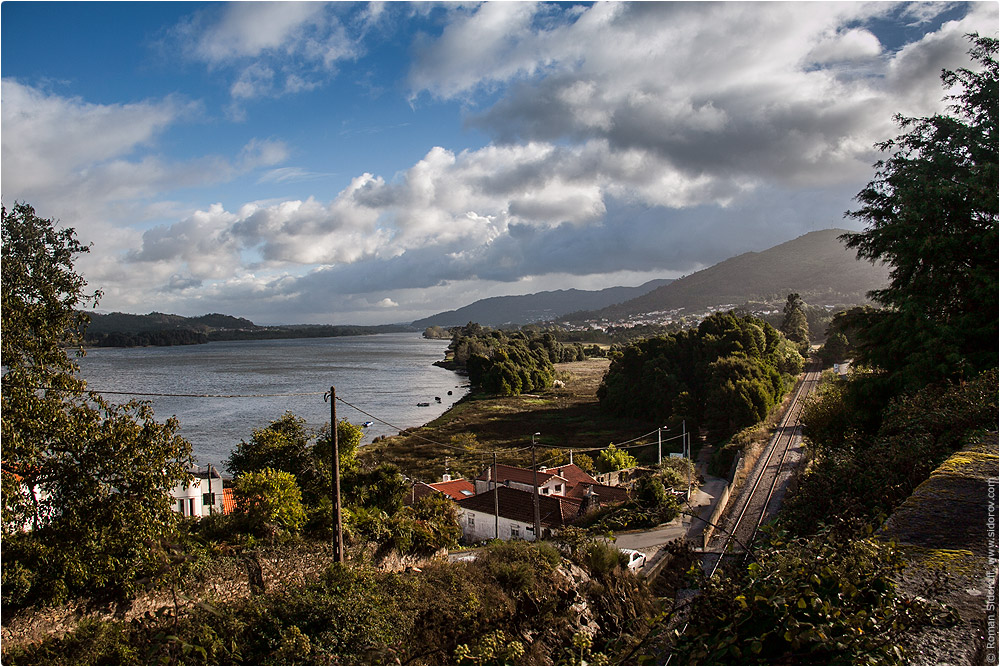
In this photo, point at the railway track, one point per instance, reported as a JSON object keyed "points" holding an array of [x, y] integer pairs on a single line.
{"points": [[760, 498]]}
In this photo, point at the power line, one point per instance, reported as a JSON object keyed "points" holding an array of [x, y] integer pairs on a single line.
{"points": [[165, 395], [398, 428]]}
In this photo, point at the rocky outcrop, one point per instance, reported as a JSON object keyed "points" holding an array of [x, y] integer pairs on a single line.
{"points": [[946, 532]]}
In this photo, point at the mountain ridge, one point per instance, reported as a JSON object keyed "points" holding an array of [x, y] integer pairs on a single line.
{"points": [[816, 265], [538, 306]]}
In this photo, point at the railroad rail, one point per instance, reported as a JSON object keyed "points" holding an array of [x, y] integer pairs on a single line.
{"points": [[757, 500]]}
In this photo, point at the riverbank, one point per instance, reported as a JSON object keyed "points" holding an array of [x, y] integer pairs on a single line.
{"points": [[465, 437]]}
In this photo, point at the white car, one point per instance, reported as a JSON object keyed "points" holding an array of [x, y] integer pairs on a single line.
{"points": [[636, 559]]}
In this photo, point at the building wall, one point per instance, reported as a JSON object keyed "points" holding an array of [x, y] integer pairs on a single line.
{"points": [[549, 488], [188, 498], [484, 527]]}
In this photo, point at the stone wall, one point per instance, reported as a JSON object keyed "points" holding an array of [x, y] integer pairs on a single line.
{"points": [[943, 532], [225, 580]]}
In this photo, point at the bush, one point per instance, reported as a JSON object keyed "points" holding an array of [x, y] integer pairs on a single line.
{"points": [[857, 479], [823, 600], [270, 500]]}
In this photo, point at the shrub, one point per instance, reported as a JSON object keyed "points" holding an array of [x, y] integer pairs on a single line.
{"points": [[270, 499], [823, 600]]}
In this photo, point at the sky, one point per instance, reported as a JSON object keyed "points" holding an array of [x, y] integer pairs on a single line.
{"points": [[374, 163]]}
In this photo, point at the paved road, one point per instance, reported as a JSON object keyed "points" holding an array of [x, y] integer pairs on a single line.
{"points": [[702, 503]]}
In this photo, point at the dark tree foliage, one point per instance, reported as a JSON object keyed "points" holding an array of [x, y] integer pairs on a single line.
{"points": [[510, 363], [857, 477], [794, 325], [509, 606], [825, 600], [725, 375], [85, 483], [931, 214]]}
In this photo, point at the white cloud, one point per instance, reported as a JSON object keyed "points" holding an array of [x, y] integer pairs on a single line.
{"points": [[247, 29], [638, 137], [273, 48], [846, 46]]}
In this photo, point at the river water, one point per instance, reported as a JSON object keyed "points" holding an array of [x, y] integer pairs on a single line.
{"points": [[386, 375]]}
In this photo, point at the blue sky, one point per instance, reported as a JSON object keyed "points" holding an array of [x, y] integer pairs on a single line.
{"points": [[376, 163]]}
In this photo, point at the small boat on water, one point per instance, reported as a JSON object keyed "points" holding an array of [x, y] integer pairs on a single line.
{"points": [[423, 405], [367, 424]]}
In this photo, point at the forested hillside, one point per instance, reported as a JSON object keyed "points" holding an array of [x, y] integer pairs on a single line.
{"points": [[527, 308], [816, 265], [127, 330]]}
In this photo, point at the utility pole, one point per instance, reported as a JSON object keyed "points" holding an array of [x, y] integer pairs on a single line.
{"points": [[534, 469], [659, 444], [338, 531], [496, 500], [684, 439]]}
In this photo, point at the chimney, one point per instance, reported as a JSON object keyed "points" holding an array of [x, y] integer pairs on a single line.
{"points": [[446, 477]]}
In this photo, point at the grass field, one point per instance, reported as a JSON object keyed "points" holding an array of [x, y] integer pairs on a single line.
{"points": [[469, 433]]}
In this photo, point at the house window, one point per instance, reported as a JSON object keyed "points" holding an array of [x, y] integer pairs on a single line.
{"points": [[545, 491], [515, 532], [558, 488], [191, 506], [472, 521], [180, 507]]}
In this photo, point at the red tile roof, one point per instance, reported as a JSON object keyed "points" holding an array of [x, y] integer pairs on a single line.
{"points": [[605, 493], [456, 489], [505, 473], [228, 501], [553, 511], [572, 473]]}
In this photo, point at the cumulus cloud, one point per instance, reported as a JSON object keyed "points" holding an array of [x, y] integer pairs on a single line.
{"points": [[648, 138], [272, 49], [660, 81]]}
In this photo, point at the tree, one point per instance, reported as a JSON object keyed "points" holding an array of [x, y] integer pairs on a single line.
{"points": [[795, 326], [931, 213], [270, 498], [285, 444], [612, 459], [91, 480]]}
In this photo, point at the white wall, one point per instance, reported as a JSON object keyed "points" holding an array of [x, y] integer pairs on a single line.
{"points": [[484, 527]]}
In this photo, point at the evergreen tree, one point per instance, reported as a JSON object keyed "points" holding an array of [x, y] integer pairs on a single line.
{"points": [[931, 214], [795, 325]]}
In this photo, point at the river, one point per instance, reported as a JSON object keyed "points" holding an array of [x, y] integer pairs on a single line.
{"points": [[386, 375]]}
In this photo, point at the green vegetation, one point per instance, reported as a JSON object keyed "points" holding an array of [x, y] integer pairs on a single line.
{"points": [[509, 363], [817, 600], [87, 479], [923, 384], [725, 375], [931, 212], [269, 500], [611, 458], [515, 602], [794, 325], [866, 474]]}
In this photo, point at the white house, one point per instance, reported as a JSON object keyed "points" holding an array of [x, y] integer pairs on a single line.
{"points": [[202, 494], [516, 518], [549, 483]]}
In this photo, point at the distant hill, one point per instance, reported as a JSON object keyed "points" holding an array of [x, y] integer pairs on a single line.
{"points": [[129, 323], [127, 330], [816, 265], [524, 309]]}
